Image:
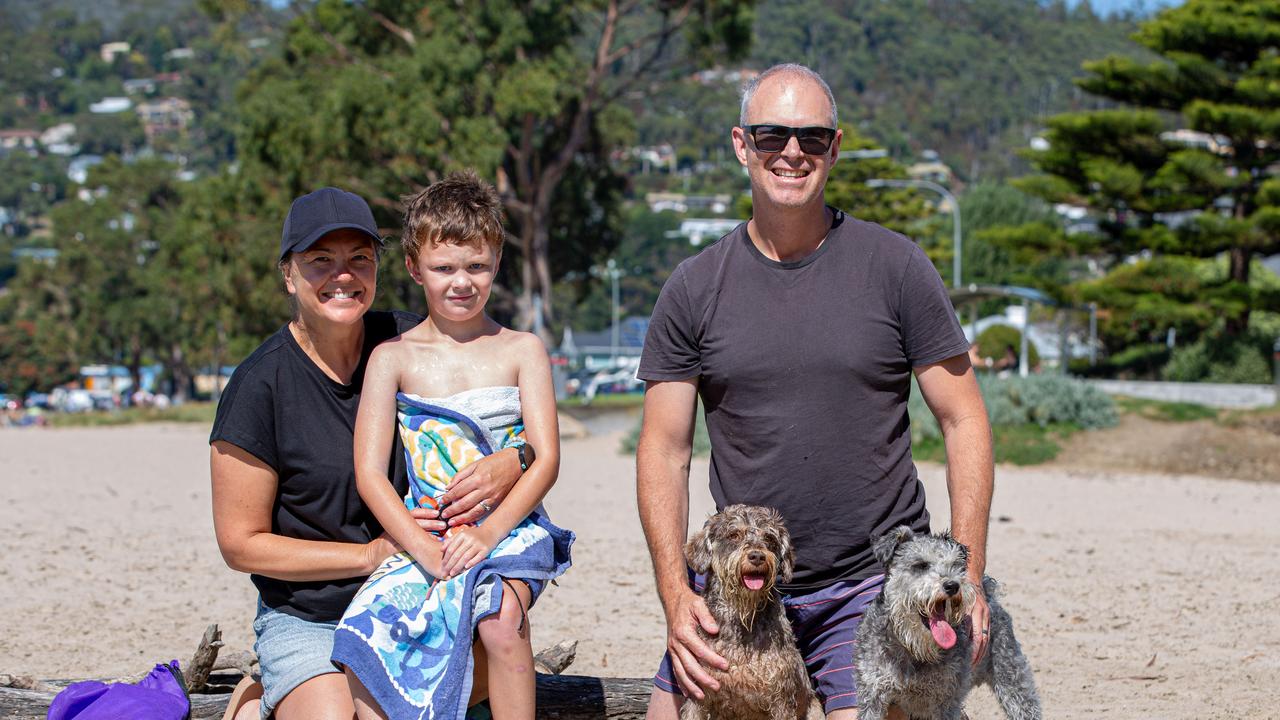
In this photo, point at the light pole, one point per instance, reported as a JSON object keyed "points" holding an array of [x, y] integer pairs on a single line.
{"points": [[956, 245], [614, 272]]}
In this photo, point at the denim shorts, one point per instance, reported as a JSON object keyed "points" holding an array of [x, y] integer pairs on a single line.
{"points": [[290, 652], [826, 623]]}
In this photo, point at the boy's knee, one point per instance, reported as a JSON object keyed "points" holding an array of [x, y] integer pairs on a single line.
{"points": [[508, 629]]}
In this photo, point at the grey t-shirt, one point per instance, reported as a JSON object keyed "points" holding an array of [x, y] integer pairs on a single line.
{"points": [[804, 369]]}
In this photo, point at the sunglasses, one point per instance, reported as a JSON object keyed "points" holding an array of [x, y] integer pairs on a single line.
{"points": [[773, 138]]}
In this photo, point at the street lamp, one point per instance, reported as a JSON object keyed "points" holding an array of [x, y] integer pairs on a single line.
{"points": [[956, 245], [614, 272]]}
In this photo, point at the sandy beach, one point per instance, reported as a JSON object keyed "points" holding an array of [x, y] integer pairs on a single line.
{"points": [[1133, 594]]}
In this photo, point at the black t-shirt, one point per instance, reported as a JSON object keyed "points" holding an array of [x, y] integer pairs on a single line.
{"points": [[804, 369], [283, 409]]}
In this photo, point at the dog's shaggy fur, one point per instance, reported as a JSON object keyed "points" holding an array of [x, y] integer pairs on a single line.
{"points": [[914, 644], [743, 551]]}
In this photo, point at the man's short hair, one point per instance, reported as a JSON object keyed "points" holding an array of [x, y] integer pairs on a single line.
{"points": [[794, 70], [461, 209]]}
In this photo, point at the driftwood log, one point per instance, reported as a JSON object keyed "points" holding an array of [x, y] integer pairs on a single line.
{"points": [[560, 697]]}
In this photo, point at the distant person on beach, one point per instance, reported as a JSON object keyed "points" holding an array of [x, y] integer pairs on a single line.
{"points": [[285, 506], [800, 331], [454, 389]]}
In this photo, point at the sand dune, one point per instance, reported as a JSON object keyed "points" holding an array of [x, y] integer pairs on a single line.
{"points": [[1135, 596]]}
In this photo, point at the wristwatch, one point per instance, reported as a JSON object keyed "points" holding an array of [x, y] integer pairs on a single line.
{"points": [[526, 454]]}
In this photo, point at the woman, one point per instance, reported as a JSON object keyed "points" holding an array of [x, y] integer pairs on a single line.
{"points": [[285, 505]]}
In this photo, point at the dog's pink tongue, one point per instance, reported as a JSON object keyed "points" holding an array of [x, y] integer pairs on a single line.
{"points": [[753, 582], [943, 633]]}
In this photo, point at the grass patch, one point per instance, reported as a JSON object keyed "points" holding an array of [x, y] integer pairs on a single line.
{"points": [[605, 401], [195, 412], [1166, 411], [1028, 444]]}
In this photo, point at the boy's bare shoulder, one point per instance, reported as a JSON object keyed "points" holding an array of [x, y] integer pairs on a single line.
{"points": [[520, 341], [389, 350]]}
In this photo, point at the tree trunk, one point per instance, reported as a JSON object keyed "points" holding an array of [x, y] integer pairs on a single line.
{"points": [[563, 697], [1238, 324]]}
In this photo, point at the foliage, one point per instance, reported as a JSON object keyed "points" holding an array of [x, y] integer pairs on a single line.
{"points": [[1165, 411], [997, 340], [969, 79], [384, 97], [191, 412], [1218, 359], [1172, 199], [1042, 400], [1014, 444]]}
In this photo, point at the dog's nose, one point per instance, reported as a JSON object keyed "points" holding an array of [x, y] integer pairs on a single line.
{"points": [[756, 557], [951, 587]]}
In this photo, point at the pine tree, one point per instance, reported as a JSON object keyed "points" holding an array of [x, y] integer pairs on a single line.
{"points": [[1182, 169]]}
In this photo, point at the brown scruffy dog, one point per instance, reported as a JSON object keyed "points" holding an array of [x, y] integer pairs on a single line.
{"points": [[743, 551]]}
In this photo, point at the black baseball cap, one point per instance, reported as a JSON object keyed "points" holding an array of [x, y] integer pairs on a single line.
{"points": [[323, 211]]}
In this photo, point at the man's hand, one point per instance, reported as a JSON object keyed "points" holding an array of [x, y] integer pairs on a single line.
{"points": [[689, 652], [486, 480], [980, 619]]}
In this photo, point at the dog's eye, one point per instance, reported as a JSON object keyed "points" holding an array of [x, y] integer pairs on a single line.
{"points": [[920, 566]]}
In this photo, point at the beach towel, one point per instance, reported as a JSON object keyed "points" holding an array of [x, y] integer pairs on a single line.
{"points": [[407, 635]]}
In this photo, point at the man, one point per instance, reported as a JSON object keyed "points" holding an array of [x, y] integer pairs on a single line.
{"points": [[800, 331]]}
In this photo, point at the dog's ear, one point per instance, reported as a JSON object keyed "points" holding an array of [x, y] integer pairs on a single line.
{"points": [[788, 564], [697, 552], [887, 544]]}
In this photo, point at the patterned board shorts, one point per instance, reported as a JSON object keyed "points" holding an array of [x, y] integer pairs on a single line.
{"points": [[825, 623]]}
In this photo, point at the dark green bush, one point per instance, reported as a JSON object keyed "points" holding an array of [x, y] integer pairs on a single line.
{"points": [[1214, 358], [996, 339]]}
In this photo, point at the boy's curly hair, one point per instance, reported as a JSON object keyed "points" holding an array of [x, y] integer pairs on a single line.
{"points": [[461, 209]]}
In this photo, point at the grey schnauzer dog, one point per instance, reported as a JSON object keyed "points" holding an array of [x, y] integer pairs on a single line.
{"points": [[743, 551], [914, 644]]}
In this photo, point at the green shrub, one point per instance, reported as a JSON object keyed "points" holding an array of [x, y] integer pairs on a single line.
{"points": [[1039, 399], [1216, 359], [1134, 362], [997, 339]]}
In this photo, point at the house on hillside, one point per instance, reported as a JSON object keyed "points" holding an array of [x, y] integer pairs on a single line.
{"points": [[700, 230], [140, 86], [932, 169], [57, 139], [110, 105], [19, 139], [109, 51], [164, 116]]}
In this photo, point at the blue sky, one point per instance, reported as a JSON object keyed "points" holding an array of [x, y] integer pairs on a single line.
{"points": [[1105, 7]]}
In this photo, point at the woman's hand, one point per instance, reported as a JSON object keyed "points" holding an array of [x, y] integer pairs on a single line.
{"points": [[466, 547], [487, 481]]}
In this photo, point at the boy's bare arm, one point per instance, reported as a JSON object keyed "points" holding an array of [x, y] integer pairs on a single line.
{"points": [[375, 425], [538, 407]]}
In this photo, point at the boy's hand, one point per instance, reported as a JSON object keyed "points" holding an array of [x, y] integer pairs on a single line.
{"points": [[487, 480], [466, 547], [427, 519]]}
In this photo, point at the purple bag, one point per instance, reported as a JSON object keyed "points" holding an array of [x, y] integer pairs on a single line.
{"points": [[161, 695]]}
